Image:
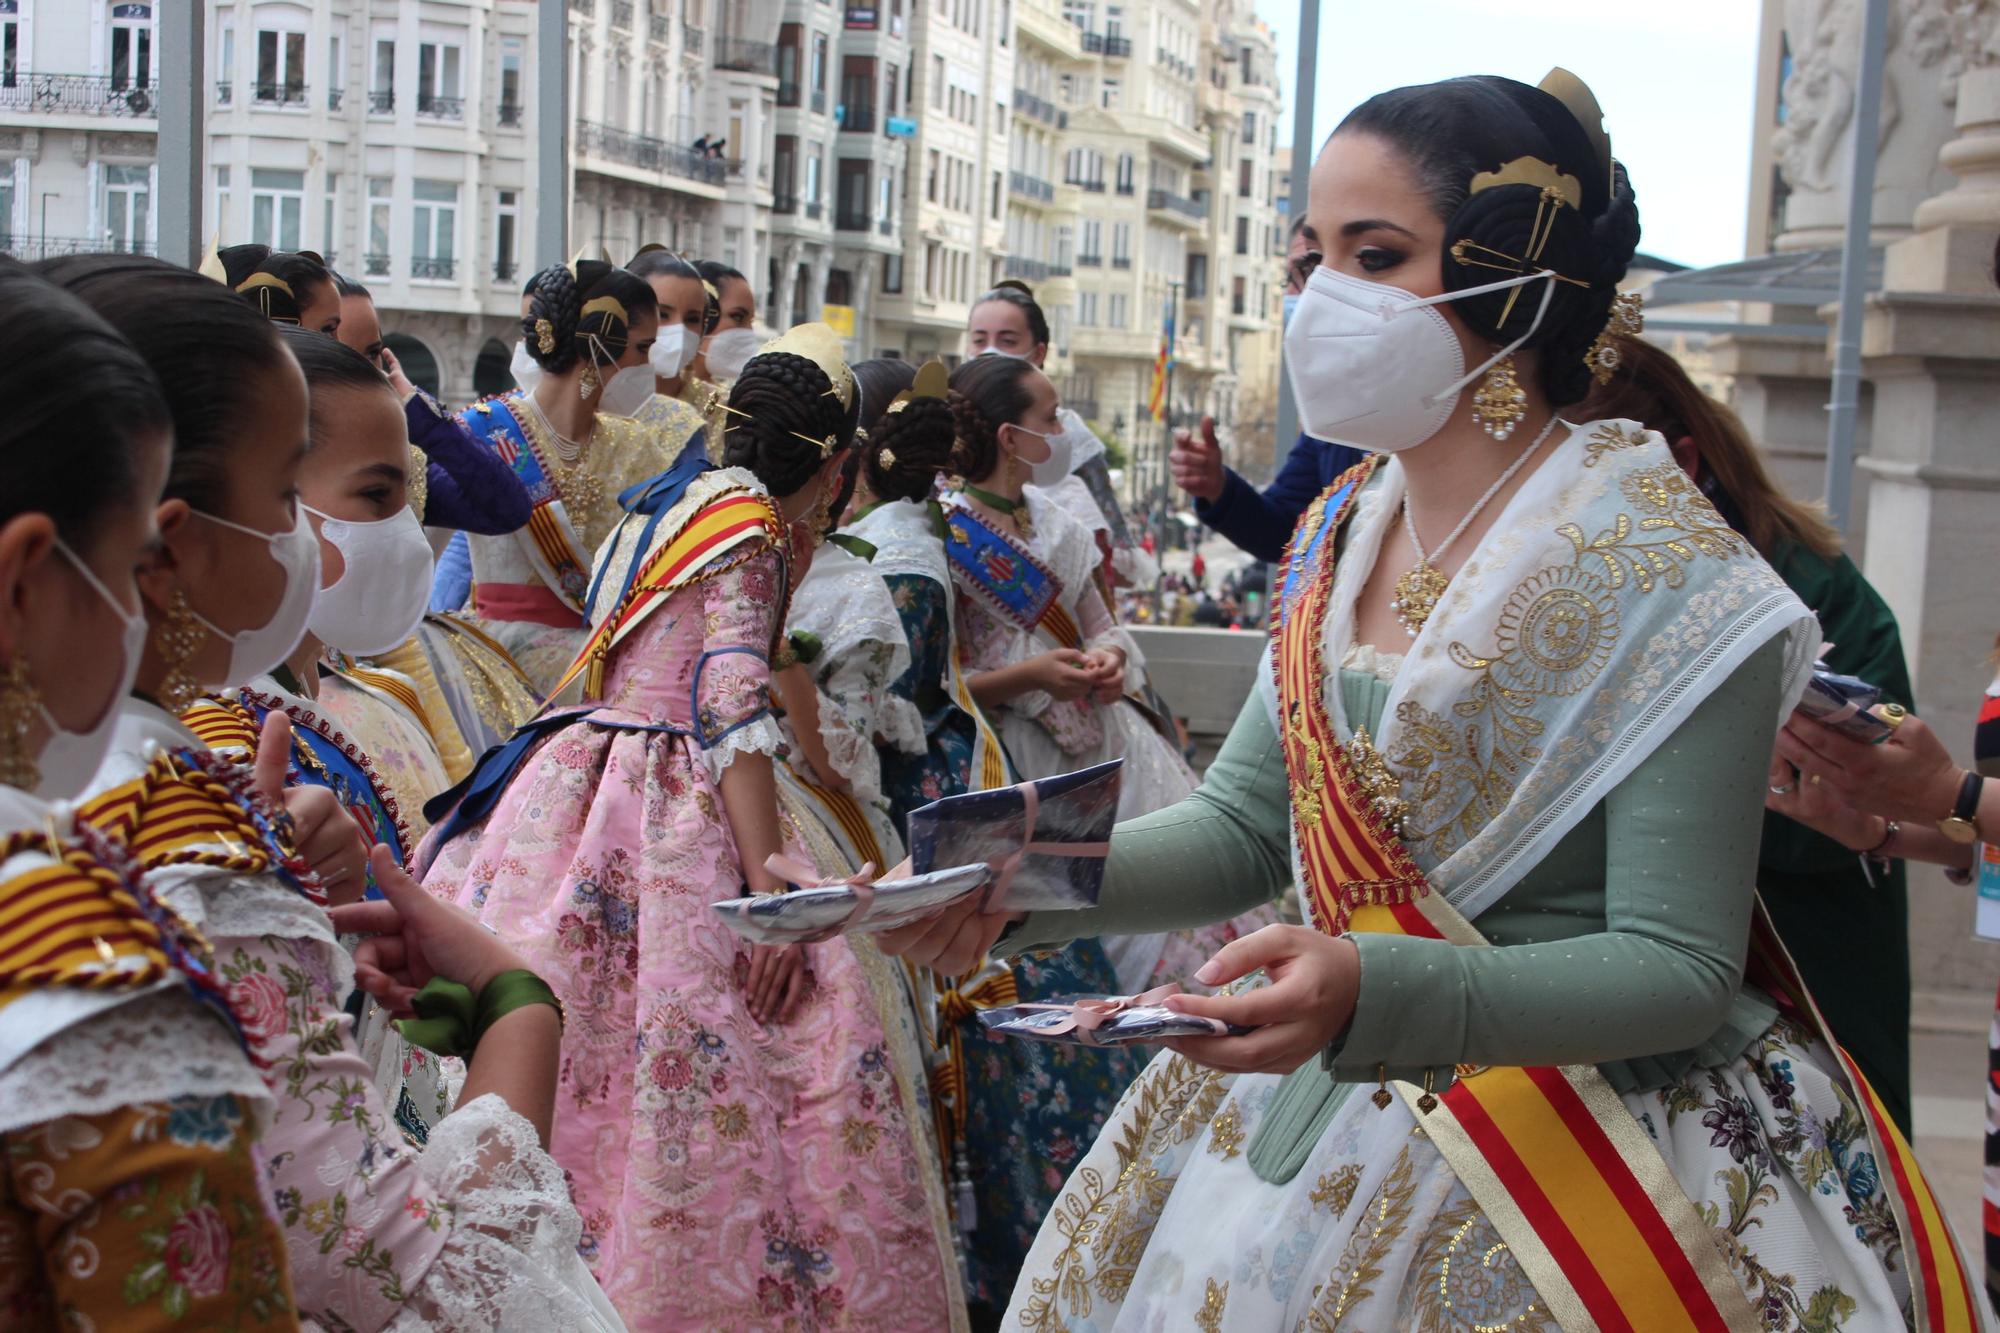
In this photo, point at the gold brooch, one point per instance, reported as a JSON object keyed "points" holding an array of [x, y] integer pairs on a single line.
{"points": [[885, 458], [545, 337]]}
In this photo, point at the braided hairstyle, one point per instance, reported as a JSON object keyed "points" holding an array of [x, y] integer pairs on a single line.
{"points": [[785, 402], [558, 297], [1450, 132], [920, 437], [301, 272], [987, 393]]}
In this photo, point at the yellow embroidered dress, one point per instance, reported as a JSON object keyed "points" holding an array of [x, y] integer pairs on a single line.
{"points": [[131, 1192]]}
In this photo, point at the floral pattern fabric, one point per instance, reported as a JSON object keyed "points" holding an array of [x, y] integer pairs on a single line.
{"points": [[1165, 1225], [151, 1216], [730, 1174]]}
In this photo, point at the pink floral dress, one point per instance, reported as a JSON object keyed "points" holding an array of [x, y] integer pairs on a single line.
{"points": [[730, 1174]]}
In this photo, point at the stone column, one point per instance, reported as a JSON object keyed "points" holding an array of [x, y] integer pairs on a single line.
{"points": [[1931, 346]]}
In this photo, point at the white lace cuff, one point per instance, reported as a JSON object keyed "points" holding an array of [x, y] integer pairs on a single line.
{"points": [[157, 1046], [759, 736], [853, 755], [899, 724], [510, 1262], [223, 906]]}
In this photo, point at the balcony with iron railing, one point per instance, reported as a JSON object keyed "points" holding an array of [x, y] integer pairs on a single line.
{"points": [[1117, 48], [1121, 261], [1030, 187], [375, 266], [432, 107], [278, 95], [1040, 108], [647, 153], [584, 7], [846, 221], [788, 93], [28, 249], [693, 40], [1034, 270], [504, 270], [819, 101], [431, 268], [621, 14], [1088, 187], [814, 210], [1090, 261], [225, 92], [334, 97], [857, 119], [1165, 201], [746, 56], [381, 103], [509, 115], [784, 203], [79, 95], [886, 226]]}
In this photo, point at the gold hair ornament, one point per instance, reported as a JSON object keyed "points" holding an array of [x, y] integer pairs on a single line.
{"points": [[1557, 191], [259, 286], [545, 337], [1580, 102], [819, 344], [1628, 320], [610, 305]]}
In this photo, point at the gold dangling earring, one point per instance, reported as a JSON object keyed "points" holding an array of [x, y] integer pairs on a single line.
{"points": [[822, 515], [17, 714], [1501, 401], [587, 386], [178, 638]]}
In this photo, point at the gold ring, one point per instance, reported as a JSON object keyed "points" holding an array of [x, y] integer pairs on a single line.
{"points": [[1893, 714]]}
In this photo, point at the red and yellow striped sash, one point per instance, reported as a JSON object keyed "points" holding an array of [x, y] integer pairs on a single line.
{"points": [[175, 814], [72, 922], [545, 529], [1945, 1295], [396, 687], [224, 725], [957, 1002], [1571, 1182], [1567, 1176], [715, 528], [1062, 626], [989, 760]]}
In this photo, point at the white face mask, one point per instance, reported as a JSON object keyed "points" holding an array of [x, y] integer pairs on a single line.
{"points": [[69, 759], [730, 350], [1378, 368], [1001, 351], [253, 652], [526, 373], [385, 588], [673, 349], [1056, 467], [627, 391]]}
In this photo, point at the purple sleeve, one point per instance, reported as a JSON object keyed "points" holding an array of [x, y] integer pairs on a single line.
{"points": [[469, 487]]}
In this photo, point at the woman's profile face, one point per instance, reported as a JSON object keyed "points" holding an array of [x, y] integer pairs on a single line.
{"points": [[358, 467], [739, 304], [319, 309], [682, 300]]}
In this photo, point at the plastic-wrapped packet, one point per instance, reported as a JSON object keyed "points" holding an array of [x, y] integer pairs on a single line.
{"points": [[1849, 705], [1105, 1020], [805, 915], [1045, 839]]}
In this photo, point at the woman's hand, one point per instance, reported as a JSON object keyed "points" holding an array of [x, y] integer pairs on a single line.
{"points": [[414, 937], [778, 980], [1817, 807], [1107, 670], [1063, 673], [322, 831], [1315, 979], [1910, 776], [953, 940]]}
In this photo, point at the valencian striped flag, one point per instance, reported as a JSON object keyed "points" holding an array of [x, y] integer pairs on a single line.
{"points": [[1163, 364]]}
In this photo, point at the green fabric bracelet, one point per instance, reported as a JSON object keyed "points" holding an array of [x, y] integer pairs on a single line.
{"points": [[450, 1022], [510, 991], [445, 1017]]}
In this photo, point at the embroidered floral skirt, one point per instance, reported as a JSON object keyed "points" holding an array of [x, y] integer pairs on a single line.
{"points": [[1164, 1225]]}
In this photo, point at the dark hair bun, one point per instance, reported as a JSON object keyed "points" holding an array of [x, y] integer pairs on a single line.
{"points": [[779, 406], [276, 282], [909, 446], [557, 330], [987, 393]]}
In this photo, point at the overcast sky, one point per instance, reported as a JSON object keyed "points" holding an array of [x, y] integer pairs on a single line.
{"points": [[1675, 79]]}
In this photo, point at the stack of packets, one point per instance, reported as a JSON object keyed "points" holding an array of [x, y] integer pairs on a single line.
{"points": [[1105, 1020], [1035, 847], [1849, 705]]}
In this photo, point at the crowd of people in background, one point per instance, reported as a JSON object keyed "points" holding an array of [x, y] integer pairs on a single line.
{"points": [[369, 766]]}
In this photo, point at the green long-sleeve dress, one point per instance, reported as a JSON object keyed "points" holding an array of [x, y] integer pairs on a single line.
{"points": [[1255, 1201]]}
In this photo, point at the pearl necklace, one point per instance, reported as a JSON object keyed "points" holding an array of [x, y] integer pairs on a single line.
{"points": [[566, 450], [1419, 590]]}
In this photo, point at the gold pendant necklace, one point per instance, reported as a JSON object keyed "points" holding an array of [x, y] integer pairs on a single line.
{"points": [[1420, 590]]}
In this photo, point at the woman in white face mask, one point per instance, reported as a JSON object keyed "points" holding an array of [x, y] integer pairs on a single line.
{"points": [[79, 476], [685, 405], [1512, 745], [444, 1233], [733, 341], [1043, 653], [576, 444]]}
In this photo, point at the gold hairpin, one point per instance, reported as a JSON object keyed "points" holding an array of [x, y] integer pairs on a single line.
{"points": [[1532, 171], [606, 304], [825, 446]]}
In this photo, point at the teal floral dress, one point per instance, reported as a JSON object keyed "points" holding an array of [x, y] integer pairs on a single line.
{"points": [[1032, 1108]]}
